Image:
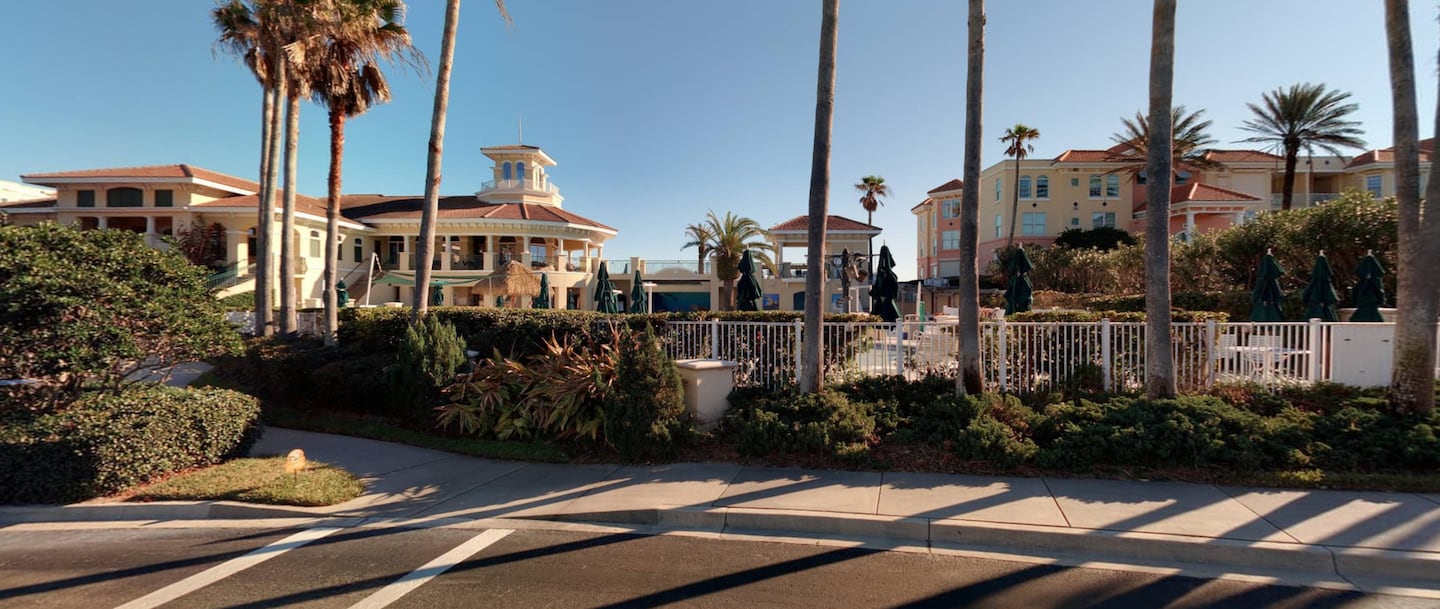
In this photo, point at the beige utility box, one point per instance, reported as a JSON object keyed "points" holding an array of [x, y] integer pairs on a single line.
{"points": [[707, 386]]}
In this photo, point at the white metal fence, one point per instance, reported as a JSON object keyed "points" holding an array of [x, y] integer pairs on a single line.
{"points": [[1019, 356]]}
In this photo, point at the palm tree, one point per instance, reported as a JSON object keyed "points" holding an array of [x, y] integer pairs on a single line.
{"points": [[242, 33], [1018, 138], [699, 238], [729, 238], [347, 80], [1159, 365], [1306, 116], [424, 248], [872, 189], [810, 377], [1412, 377], [1190, 142], [969, 379]]}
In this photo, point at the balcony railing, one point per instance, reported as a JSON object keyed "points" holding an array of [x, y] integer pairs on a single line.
{"points": [[655, 266], [1303, 200], [548, 187]]}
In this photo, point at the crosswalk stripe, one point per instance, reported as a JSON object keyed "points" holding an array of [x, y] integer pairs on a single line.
{"points": [[400, 587], [226, 569]]}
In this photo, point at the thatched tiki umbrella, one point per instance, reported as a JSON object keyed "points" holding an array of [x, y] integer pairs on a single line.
{"points": [[516, 279]]}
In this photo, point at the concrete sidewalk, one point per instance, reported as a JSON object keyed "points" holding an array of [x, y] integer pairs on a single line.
{"points": [[1352, 534]]}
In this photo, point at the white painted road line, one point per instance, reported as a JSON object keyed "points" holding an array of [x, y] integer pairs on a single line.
{"points": [[405, 585], [226, 569]]}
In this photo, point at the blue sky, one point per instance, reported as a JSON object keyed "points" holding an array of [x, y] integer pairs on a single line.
{"points": [[658, 110]]}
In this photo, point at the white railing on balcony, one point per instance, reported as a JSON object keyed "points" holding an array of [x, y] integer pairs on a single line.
{"points": [[547, 186], [1298, 200], [655, 266]]}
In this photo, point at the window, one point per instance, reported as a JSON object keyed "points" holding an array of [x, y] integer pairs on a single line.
{"points": [[1074, 222], [1373, 185], [85, 198], [1033, 223], [1025, 187], [164, 198], [997, 189], [1042, 187], [1140, 178], [124, 197], [520, 171], [1095, 187], [1182, 178], [359, 250], [505, 171], [1074, 181], [315, 244], [1102, 218], [537, 252], [934, 243], [1112, 185], [999, 225], [951, 240], [950, 208]]}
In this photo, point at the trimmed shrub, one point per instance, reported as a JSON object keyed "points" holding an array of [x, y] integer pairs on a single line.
{"points": [[107, 443], [825, 422], [1183, 432], [644, 407], [278, 367], [429, 358], [243, 301]]}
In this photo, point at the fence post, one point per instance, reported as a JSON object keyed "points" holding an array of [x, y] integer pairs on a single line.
{"points": [[799, 327], [1004, 358], [715, 339], [1212, 358], [1315, 346], [1106, 366]]}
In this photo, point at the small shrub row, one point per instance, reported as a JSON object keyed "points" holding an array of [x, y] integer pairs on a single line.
{"points": [[107, 443]]}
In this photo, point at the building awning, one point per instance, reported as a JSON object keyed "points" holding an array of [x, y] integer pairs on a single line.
{"points": [[393, 278]]}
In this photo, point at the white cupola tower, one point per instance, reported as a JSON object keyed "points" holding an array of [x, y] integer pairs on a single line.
{"points": [[519, 176]]}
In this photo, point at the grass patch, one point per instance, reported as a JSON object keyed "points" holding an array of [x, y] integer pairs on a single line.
{"points": [[210, 379], [261, 480], [375, 429], [1395, 482]]}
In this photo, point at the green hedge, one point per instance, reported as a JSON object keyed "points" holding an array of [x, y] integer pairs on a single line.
{"points": [[105, 444]]}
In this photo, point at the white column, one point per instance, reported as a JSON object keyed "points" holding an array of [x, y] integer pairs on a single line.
{"points": [[237, 251], [445, 254], [102, 222], [1189, 225], [1239, 218]]}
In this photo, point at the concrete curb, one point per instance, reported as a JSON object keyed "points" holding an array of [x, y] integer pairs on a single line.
{"points": [[159, 510]]}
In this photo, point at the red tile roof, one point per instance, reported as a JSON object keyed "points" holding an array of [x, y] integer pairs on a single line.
{"points": [[832, 223], [28, 203], [1242, 156], [373, 207], [1089, 156], [309, 205], [1199, 191], [1387, 155], [927, 201], [954, 184], [151, 171]]}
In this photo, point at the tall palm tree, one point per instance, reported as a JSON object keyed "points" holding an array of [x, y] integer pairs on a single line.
{"points": [[729, 238], [699, 238], [424, 248], [1159, 364], [1190, 142], [872, 189], [1412, 384], [242, 33], [810, 376], [347, 80], [296, 88], [1018, 139], [1305, 116], [969, 379]]}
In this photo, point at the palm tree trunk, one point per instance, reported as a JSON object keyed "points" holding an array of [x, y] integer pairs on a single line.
{"points": [[1287, 188], [969, 379], [1015, 203], [332, 225], [266, 217], [700, 261], [424, 248], [870, 246], [1159, 365], [810, 373], [1412, 379], [289, 320]]}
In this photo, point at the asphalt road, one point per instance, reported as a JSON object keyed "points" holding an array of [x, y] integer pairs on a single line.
{"points": [[442, 568]]}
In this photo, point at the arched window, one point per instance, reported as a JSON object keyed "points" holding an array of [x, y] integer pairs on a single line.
{"points": [[520, 171], [124, 197], [1042, 187], [1025, 187], [1112, 185], [505, 171]]}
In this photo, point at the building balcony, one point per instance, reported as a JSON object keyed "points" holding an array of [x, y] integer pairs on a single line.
{"points": [[546, 187], [1303, 200], [489, 262]]}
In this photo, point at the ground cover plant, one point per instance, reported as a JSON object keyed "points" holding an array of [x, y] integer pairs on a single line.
{"points": [[257, 480]]}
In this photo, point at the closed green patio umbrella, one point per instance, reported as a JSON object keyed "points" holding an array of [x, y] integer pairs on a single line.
{"points": [[886, 288], [747, 291], [437, 295], [638, 297], [342, 294], [1265, 299], [1020, 293], [1369, 290], [542, 300], [605, 301], [1320, 296]]}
